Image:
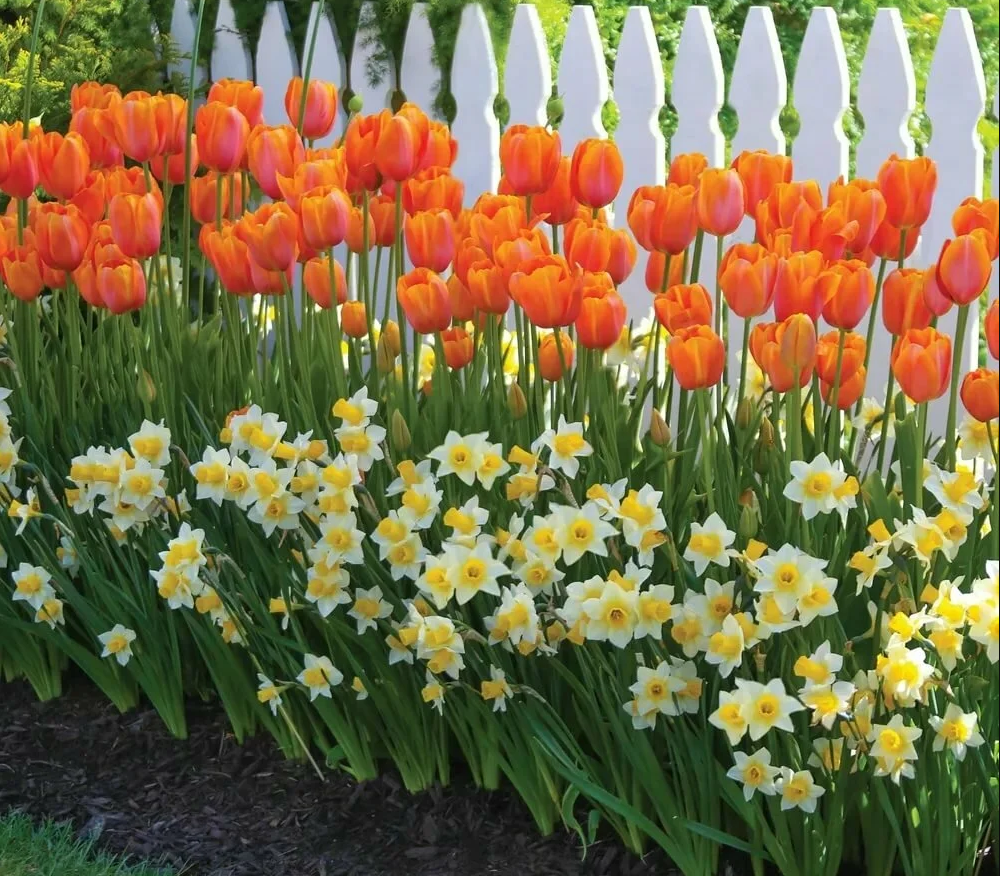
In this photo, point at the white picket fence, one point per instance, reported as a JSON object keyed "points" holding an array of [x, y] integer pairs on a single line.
{"points": [[955, 100]]}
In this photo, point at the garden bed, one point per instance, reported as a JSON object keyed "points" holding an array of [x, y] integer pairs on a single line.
{"points": [[210, 807]]}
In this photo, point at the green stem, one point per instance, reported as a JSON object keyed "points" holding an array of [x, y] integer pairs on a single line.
{"points": [[833, 424], [956, 365], [887, 415]]}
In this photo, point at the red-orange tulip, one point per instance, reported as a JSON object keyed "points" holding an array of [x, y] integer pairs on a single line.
{"points": [[530, 158], [596, 172], [222, 133], [314, 173], [964, 266], [972, 214], [401, 142], [130, 180], [18, 164], [359, 150], [441, 149], [850, 389], [747, 277], [654, 272], [135, 224], [488, 287], [766, 342], [21, 270], [204, 195], [697, 356], [467, 254], [91, 198], [683, 306], [934, 298], [425, 301], [382, 209], [229, 257], [921, 363], [103, 150], [353, 319], [93, 95], [830, 231], [433, 189], [61, 235], [720, 201], [121, 285], [797, 288], [458, 349], [139, 124], [797, 339], [430, 239], [908, 186], [355, 238], [981, 394], [63, 163], [848, 289], [827, 352], [785, 202], [664, 218], [273, 150], [992, 329], [321, 106], [511, 254], [686, 169], [557, 203], [324, 283], [548, 290], [172, 168], [462, 305], [761, 172], [864, 204], [550, 363], [271, 235], [602, 313], [241, 94], [903, 305], [324, 214], [888, 240]]}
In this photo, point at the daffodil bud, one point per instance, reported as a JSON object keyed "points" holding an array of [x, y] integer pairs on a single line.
{"points": [[145, 386], [517, 404], [385, 361], [400, 432], [744, 414], [659, 430], [747, 527], [766, 434]]}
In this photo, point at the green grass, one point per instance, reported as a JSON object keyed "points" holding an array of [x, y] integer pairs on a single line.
{"points": [[52, 850]]}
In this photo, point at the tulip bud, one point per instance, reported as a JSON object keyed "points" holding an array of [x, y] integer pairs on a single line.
{"points": [[761, 457], [390, 331], [747, 527], [744, 414], [355, 104], [766, 434], [517, 404], [400, 432], [385, 360], [659, 430], [145, 387], [554, 110]]}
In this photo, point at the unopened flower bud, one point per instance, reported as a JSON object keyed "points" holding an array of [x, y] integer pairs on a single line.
{"points": [[400, 432], [744, 414], [385, 359], [145, 387], [390, 331], [355, 104], [766, 434], [747, 527], [659, 430], [554, 110], [517, 404]]}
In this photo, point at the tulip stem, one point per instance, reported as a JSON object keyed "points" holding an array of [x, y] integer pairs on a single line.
{"points": [[743, 362], [699, 243], [707, 446], [308, 67], [956, 364], [869, 337], [833, 423], [887, 416]]}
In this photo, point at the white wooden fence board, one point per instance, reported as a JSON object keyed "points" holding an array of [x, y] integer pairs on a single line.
{"points": [[230, 56], [583, 80], [276, 62], [527, 73], [418, 73]]}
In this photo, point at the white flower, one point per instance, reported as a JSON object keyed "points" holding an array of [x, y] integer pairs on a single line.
{"points": [[789, 574], [725, 648], [268, 693], [893, 748], [31, 585], [978, 440], [566, 446], [151, 443], [768, 707], [280, 512], [516, 620], [957, 491], [731, 715], [580, 531], [871, 419], [820, 668], [369, 608], [904, 672], [340, 541], [8, 459], [410, 475], [421, 504], [51, 613], [957, 731], [655, 689], [828, 702], [755, 773], [869, 563], [655, 608], [496, 689], [318, 675], [467, 521], [709, 543], [612, 616], [364, 444], [117, 643], [473, 570], [798, 790], [178, 586], [433, 693], [815, 485], [460, 456], [326, 587], [356, 411], [640, 513]]}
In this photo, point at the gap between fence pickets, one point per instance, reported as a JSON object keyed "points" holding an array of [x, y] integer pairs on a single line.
{"points": [[886, 99]]}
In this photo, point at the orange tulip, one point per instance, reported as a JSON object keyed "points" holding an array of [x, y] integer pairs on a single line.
{"points": [[430, 239], [63, 163], [981, 394], [850, 390], [353, 320], [697, 356], [530, 158], [314, 173], [908, 185], [121, 285], [761, 172], [602, 313], [462, 305], [18, 164], [467, 254], [172, 168], [241, 94], [176, 129], [229, 257], [271, 235], [664, 218], [91, 198], [88, 123], [130, 180], [934, 298], [424, 298], [596, 172], [273, 150], [864, 204], [797, 343], [92, 95], [324, 281], [324, 214], [204, 195], [686, 169], [784, 202], [222, 132], [921, 363], [557, 203], [654, 272], [488, 287], [433, 189], [747, 277], [765, 347], [797, 288], [401, 142], [441, 149], [266, 282], [382, 209], [992, 329], [683, 306], [720, 201], [135, 223], [359, 150], [61, 235], [827, 351], [355, 238], [139, 124], [903, 305], [550, 363], [972, 214], [548, 290], [830, 231], [21, 270], [458, 349], [964, 266], [320, 108], [888, 240], [849, 289]]}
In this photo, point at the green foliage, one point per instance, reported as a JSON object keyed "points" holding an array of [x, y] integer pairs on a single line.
{"points": [[110, 40]]}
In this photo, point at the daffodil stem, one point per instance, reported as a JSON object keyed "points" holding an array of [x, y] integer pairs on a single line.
{"points": [[887, 415], [833, 423], [743, 363], [956, 367], [707, 446]]}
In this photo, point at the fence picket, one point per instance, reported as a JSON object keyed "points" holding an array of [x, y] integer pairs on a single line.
{"points": [[374, 96], [418, 73], [182, 25], [327, 65], [276, 62], [528, 73], [583, 80], [230, 56], [821, 94]]}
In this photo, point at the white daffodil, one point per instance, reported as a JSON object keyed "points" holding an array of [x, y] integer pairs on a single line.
{"points": [[319, 675], [369, 607], [798, 790], [820, 668], [32, 585], [612, 616], [460, 455], [473, 570], [326, 587], [496, 689], [709, 543], [821, 487], [754, 772], [211, 475], [151, 443], [768, 707], [117, 643], [788, 575], [356, 412], [957, 731], [893, 747], [567, 446], [655, 690], [364, 444], [580, 531], [725, 647], [268, 693]]}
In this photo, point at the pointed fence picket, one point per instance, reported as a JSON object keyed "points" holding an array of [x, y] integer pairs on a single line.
{"points": [[886, 98]]}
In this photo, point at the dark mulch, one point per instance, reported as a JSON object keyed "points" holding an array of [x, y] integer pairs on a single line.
{"points": [[210, 807]]}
